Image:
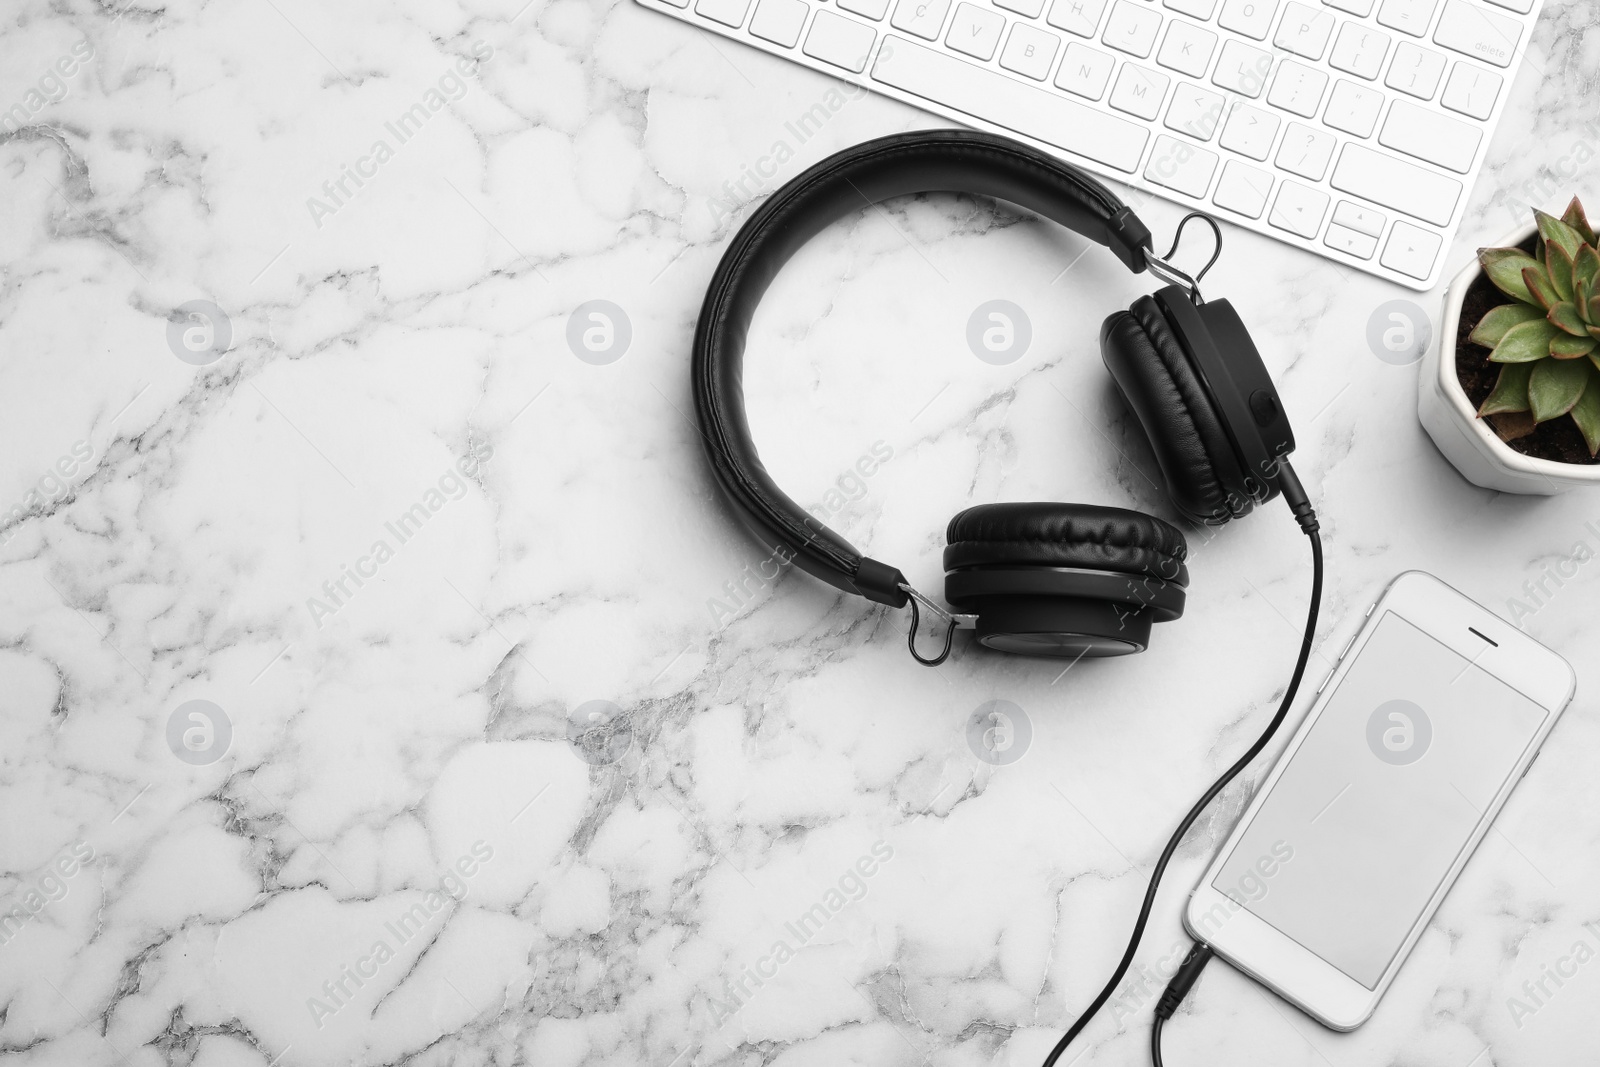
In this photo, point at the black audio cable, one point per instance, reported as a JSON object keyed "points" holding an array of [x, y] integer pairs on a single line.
{"points": [[1294, 495], [1188, 972]]}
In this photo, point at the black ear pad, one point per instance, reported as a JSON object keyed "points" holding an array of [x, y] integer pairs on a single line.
{"points": [[1066, 535], [1064, 579], [1200, 464]]}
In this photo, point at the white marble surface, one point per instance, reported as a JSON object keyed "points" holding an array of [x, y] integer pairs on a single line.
{"points": [[413, 329]]}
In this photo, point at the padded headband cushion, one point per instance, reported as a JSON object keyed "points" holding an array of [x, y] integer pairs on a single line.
{"points": [[1066, 535], [926, 161], [1158, 382]]}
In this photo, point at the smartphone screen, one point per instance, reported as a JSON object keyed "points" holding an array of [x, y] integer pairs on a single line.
{"points": [[1380, 799]]}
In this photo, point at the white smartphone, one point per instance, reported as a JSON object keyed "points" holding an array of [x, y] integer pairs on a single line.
{"points": [[1432, 714]]}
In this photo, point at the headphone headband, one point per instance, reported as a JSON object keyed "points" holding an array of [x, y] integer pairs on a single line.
{"points": [[902, 164]]}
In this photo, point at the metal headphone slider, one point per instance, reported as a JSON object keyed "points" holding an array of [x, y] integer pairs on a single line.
{"points": [[1173, 276], [1161, 266], [957, 620]]}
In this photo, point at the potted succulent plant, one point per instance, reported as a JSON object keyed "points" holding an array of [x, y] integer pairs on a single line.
{"points": [[1511, 392]]}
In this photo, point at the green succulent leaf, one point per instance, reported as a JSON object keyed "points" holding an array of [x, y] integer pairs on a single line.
{"points": [[1581, 294], [1504, 266], [1586, 266], [1558, 267], [1567, 318], [1510, 390], [1575, 217], [1586, 413], [1556, 386], [1491, 329], [1556, 232], [1565, 346], [1543, 289], [1592, 310], [1525, 342]]}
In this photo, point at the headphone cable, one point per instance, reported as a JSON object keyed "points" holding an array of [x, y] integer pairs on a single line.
{"points": [[1295, 496], [1188, 973]]}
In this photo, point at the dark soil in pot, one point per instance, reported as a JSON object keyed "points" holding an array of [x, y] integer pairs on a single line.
{"points": [[1558, 440]]}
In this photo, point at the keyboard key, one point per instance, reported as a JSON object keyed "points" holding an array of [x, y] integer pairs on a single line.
{"points": [[1081, 17], [1253, 18], [1030, 51], [727, 12], [975, 31], [1299, 209], [1132, 29], [840, 41], [1026, 8], [1084, 71], [1359, 51], [1478, 32], [1194, 111], [1187, 48], [925, 18], [1396, 184], [1415, 70], [1360, 219], [1305, 151], [1521, 7], [1408, 16], [993, 97], [1350, 241], [1411, 250], [1139, 91], [1244, 189], [1360, 8], [1445, 142], [1472, 91], [1353, 108], [1200, 9], [1182, 166], [872, 9], [1242, 69], [779, 21], [1304, 30], [1297, 88], [1250, 132]]}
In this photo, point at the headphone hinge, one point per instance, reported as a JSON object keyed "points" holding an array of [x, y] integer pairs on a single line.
{"points": [[1128, 238], [1173, 276], [955, 619], [1161, 266]]}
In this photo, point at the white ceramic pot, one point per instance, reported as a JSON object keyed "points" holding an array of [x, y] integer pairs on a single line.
{"points": [[1450, 419]]}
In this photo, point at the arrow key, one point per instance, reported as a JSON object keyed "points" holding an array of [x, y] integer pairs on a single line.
{"points": [[1352, 241], [1361, 219], [1411, 250], [1299, 209]]}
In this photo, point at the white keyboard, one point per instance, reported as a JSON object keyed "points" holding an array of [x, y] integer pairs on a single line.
{"points": [[1351, 128]]}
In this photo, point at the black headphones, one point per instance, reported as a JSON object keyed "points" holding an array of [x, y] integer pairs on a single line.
{"points": [[1041, 579], [1044, 579]]}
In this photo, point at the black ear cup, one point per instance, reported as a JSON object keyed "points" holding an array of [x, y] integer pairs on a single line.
{"points": [[1072, 580], [1200, 464]]}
